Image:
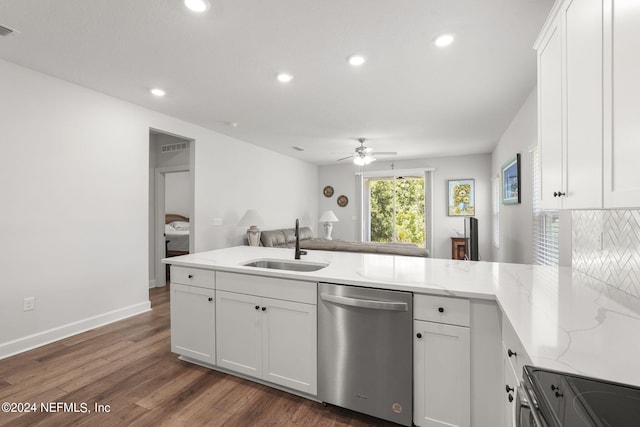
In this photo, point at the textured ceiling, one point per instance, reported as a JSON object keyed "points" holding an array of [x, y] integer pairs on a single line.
{"points": [[410, 97]]}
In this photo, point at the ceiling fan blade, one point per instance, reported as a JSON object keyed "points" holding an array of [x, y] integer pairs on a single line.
{"points": [[386, 153], [345, 158]]}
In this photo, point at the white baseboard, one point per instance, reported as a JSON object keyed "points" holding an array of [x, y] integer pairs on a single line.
{"points": [[152, 283], [55, 334]]}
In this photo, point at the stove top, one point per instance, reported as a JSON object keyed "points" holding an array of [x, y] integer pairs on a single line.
{"points": [[567, 400]]}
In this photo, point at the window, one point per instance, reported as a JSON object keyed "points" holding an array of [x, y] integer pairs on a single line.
{"points": [[545, 223], [394, 209]]}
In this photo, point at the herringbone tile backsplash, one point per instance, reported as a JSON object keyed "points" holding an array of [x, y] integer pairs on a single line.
{"points": [[606, 245]]}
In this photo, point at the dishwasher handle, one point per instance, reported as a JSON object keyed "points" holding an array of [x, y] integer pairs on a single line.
{"points": [[365, 303]]}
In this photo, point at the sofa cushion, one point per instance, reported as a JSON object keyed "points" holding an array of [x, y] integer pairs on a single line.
{"points": [[284, 238]]}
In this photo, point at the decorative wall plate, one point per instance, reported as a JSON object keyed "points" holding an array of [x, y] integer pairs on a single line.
{"points": [[328, 191], [343, 201]]}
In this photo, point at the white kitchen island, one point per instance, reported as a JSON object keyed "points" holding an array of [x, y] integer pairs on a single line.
{"points": [[553, 318]]}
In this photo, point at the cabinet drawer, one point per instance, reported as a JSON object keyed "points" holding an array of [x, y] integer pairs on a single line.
{"points": [[513, 349], [453, 311], [193, 276], [270, 287]]}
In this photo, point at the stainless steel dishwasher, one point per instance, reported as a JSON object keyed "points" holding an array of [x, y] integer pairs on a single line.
{"points": [[365, 346]]}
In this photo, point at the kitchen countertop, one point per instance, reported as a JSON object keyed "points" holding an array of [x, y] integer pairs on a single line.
{"points": [[566, 320]]}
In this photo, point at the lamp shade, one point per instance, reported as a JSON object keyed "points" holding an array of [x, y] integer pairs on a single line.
{"points": [[328, 216], [251, 217]]}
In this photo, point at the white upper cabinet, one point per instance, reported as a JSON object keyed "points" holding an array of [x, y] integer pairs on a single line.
{"points": [[583, 106], [570, 106], [622, 104], [588, 100], [550, 116]]}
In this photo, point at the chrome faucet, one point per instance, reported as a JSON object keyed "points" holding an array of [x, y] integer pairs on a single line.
{"points": [[298, 251]]}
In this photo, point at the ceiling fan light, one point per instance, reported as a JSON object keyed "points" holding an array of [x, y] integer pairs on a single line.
{"points": [[359, 160], [368, 159]]}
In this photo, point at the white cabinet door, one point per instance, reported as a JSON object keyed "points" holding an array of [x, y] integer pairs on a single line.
{"points": [[239, 332], [510, 382], [193, 322], [267, 338], [442, 377], [290, 345], [550, 118], [583, 107], [622, 125]]}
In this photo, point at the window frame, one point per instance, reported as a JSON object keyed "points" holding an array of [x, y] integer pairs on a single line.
{"points": [[428, 198]]}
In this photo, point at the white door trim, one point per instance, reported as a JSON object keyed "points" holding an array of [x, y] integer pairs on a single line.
{"points": [[159, 252]]}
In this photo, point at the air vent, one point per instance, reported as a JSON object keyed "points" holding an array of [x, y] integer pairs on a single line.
{"points": [[4, 31], [170, 148]]}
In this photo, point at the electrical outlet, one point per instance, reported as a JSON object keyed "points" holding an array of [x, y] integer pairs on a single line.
{"points": [[29, 303]]}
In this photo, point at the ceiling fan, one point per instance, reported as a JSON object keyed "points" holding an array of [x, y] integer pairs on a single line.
{"points": [[364, 155]]}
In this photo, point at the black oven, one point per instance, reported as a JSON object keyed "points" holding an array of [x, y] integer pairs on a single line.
{"points": [[548, 398]]}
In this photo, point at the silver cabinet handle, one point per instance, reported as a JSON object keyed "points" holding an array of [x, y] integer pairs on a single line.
{"points": [[366, 303]]}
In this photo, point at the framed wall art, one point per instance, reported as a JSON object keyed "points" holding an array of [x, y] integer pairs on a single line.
{"points": [[327, 191], [511, 181], [462, 194]]}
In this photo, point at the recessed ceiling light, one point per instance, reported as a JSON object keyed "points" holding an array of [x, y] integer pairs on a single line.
{"points": [[444, 40], [284, 77], [356, 60], [156, 91], [197, 5]]}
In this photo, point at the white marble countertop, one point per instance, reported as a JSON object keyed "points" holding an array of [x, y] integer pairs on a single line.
{"points": [[566, 320]]}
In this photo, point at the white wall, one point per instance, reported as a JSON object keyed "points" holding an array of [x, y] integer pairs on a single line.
{"points": [[177, 193], [516, 220], [342, 179], [77, 197], [232, 176]]}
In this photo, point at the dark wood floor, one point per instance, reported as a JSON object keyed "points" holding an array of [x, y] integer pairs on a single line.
{"points": [[128, 366]]}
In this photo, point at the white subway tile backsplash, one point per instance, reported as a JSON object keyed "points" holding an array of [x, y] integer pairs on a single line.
{"points": [[606, 245]]}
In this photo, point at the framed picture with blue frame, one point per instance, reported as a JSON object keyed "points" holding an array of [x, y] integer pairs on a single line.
{"points": [[511, 181]]}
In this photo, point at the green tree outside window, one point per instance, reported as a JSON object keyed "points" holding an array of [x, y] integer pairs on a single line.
{"points": [[409, 210]]}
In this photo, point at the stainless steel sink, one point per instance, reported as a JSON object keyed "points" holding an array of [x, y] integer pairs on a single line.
{"points": [[278, 264]]}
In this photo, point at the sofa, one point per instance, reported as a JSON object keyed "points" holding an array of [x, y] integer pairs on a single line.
{"points": [[286, 238]]}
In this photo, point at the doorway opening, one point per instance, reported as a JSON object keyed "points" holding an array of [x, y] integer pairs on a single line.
{"points": [[170, 202]]}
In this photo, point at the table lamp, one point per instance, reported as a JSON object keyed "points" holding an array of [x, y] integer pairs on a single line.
{"points": [[328, 218]]}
